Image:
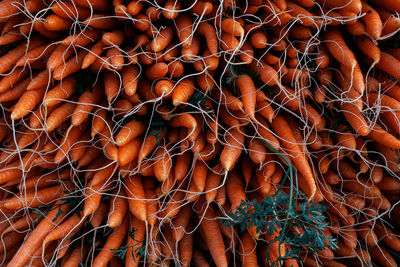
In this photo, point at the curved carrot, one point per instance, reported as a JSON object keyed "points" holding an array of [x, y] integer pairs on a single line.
{"points": [[136, 196]]}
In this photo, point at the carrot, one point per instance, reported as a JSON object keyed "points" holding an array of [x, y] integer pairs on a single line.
{"points": [[389, 184], [372, 21], [282, 129], [85, 105], [59, 115], [135, 242], [368, 48], [35, 55], [386, 64], [8, 9], [209, 33], [232, 150], [54, 22], [380, 135], [136, 196], [35, 238], [99, 121], [247, 250], [184, 30], [163, 88], [248, 91], [61, 92], [198, 258], [163, 164], [148, 145], [100, 21], [69, 10], [188, 121], [71, 66], [113, 242], [93, 54], [129, 152], [213, 238], [202, 8], [75, 257], [387, 236], [130, 77], [162, 40], [65, 229], [185, 248], [355, 118], [110, 150], [180, 222], [26, 103], [267, 74], [356, 29], [352, 6], [134, 7], [338, 48], [8, 60], [382, 256], [302, 15], [14, 93], [171, 9], [191, 51]]}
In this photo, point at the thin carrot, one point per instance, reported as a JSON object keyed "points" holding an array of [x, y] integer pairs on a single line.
{"points": [[71, 66], [35, 238], [100, 21]]}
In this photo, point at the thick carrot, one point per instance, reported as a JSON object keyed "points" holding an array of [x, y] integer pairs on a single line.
{"points": [[162, 39], [338, 48], [213, 238], [171, 9], [282, 129], [232, 150], [136, 196], [59, 115], [106, 139], [26, 103], [368, 48], [387, 64], [208, 31], [163, 164], [382, 256]]}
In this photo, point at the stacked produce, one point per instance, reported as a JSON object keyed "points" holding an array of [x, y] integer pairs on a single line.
{"points": [[201, 133]]}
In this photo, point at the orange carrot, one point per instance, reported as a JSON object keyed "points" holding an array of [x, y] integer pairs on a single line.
{"points": [[113, 242], [27, 102], [35, 238], [136, 197], [208, 31], [100, 21], [232, 150], [59, 115], [135, 241], [163, 39]]}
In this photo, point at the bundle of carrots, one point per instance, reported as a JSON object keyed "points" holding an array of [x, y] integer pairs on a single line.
{"points": [[199, 133]]}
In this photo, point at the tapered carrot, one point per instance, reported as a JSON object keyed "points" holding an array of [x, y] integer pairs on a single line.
{"points": [[232, 150], [106, 140], [213, 238], [386, 64], [99, 121], [382, 256], [135, 242], [282, 129], [113, 242], [129, 152], [355, 118], [59, 115], [14, 93], [338, 48], [27, 102], [11, 57], [184, 24], [71, 66], [136, 196], [69, 227], [163, 164], [85, 105], [188, 121]]}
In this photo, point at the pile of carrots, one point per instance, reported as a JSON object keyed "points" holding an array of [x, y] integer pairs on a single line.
{"points": [[132, 130]]}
